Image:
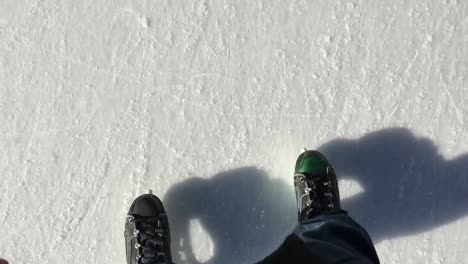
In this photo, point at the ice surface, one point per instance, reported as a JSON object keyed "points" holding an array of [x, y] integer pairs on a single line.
{"points": [[208, 102]]}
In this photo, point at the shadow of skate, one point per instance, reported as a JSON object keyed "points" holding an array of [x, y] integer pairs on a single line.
{"points": [[246, 214], [408, 186]]}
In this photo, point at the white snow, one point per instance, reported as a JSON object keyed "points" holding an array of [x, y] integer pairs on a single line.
{"points": [[208, 103]]}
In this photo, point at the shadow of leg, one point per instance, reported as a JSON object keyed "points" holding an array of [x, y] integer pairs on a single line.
{"points": [[245, 213]]}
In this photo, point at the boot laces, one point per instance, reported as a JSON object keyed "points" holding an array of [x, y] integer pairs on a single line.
{"points": [[321, 184], [152, 241]]}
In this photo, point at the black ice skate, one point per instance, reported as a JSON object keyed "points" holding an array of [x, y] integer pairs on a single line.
{"points": [[147, 236], [315, 185]]}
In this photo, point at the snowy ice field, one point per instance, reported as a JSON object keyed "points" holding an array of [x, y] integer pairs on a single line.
{"points": [[208, 103]]}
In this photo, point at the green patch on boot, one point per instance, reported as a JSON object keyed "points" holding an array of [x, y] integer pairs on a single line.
{"points": [[311, 162]]}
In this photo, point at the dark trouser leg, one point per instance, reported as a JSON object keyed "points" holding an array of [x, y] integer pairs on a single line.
{"points": [[328, 238]]}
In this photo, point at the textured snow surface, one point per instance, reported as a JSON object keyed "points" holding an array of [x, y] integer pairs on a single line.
{"points": [[208, 103]]}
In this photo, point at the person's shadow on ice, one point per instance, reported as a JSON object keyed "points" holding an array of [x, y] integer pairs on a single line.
{"points": [[408, 187], [245, 213]]}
